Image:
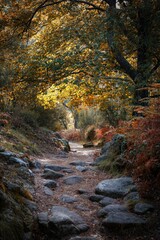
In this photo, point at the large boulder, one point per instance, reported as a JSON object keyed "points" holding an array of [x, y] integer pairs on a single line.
{"points": [[116, 187], [113, 149], [64, 222]]}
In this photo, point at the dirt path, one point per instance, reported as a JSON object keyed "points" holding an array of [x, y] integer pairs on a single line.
{"points": [[91, 177]]}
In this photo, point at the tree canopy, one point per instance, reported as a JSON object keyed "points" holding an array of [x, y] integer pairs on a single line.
{"points": [[92, 43]]}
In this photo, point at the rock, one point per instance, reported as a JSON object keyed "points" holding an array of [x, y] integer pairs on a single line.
{"points": [[2, 149], [99, 159], [116, 187], [50, 174], [82, 169], [43, 220], [82, 191], [122, 219], [78, 163], [48, 191], [83, 238], [88, 145], [96, 198], [6, 154], [132, 196], [30, 204], [142, 208], [68, 170], [73, 180], [12, 186], [112, 208], [64, 222], [35, 164], [15, 160], [68, 199], [114, 148], [51, 184], [56, 168], [63, 144], [106, 201], [82, 208]]}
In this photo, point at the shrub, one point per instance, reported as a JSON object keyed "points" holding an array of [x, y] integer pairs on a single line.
{"points": [[74, 135]]}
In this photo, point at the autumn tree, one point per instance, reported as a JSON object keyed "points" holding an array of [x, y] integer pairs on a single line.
{"points": [[132, 33]]}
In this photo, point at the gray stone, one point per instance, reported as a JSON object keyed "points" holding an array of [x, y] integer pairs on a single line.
{"points": [[113, 148], [142, 208], [15, 160], [12, 186], [68, 199], [116, 187], [6, 154], [82, 191], [50, 184], [83, 238], [106, 201], [48, 191], [68, 170], [30, 204], [65, 222], [112, 208], [82, 169], [132, 196], [96, 198], [73, 180], [43, 219], [122, 219], [50, 174], [82, 208], [35, 164], [78, 163], [56, 168]]}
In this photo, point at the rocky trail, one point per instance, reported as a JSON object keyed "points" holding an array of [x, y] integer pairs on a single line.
{"points": [[68, 208]]}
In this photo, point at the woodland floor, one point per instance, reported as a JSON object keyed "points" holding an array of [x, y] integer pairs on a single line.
{"points": [[91, 179]]}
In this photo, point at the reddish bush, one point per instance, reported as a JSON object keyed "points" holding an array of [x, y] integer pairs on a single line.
{"points": [[144, 150], [72, 135]]}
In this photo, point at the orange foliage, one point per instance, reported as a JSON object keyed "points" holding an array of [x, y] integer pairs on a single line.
{"points": [[106, 133]]}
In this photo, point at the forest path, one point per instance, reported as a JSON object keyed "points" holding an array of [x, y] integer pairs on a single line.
{"points": [[84, 207]]}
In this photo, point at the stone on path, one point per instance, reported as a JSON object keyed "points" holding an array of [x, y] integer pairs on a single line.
{"points": [[82, 208], [132, 196], [106, 201], [56, 168], [116, 187], [112, 208], [82, 169], [142, 208], [96, 198], [68, 199], [48, 191], [83, 238], [122, 219], [50, 174], [64, 222], [50, 184], [82, 191], [73, 180], [78, 163]]}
